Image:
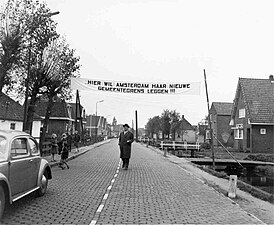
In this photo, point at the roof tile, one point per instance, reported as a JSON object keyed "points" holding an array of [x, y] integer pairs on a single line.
{"points": [[259, 99]]}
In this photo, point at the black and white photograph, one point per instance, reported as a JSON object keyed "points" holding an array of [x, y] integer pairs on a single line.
{"points": [[127, 112]]}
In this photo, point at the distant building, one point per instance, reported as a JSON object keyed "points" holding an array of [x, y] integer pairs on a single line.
{"points": [[96, 124], [186, 132], [12, 116], [252, 118], [202, 128], [220, 115]]}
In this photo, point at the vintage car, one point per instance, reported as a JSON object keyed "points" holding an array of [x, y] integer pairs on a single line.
{"points": [[22, 170]]}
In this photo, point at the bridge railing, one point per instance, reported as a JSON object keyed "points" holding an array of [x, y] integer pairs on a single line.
{"points": [[176, 148], [174, 145]]}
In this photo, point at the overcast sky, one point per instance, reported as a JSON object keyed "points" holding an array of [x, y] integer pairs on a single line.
{"points": [[167, 41]]}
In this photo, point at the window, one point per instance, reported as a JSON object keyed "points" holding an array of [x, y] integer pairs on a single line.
{"points": [[262, 131], [12, 126], [19, 148], [238, 133], [241, 113], [33, 147]]}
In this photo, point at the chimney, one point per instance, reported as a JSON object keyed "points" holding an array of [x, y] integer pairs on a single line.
{"points": [[271, 79]]}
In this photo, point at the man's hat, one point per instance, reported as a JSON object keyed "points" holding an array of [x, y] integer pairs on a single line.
{"points": [[126, 125]]}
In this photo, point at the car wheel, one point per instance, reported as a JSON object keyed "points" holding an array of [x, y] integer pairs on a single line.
{"points": [[43, 185], [2, 201]]}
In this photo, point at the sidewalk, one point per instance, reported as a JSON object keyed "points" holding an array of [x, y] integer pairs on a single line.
{"points": [[257, 207], [73, 154]]}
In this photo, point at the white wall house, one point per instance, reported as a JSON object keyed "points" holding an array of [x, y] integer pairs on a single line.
{"points": [[12, 114]]}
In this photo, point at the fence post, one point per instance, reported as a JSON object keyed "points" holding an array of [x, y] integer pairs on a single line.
{"points": [[162, 145], [165, 151], [232, 186], [173, 145], [185, 145]]}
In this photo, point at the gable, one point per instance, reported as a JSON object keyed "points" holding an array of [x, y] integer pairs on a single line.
{"points": [[185, 125], [258, 98]]}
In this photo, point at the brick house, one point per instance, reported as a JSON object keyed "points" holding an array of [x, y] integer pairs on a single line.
{"points": [[252, 118], [12, 116], [220, 115]]}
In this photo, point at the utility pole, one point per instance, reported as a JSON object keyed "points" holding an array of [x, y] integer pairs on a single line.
{"points": [[210, 127], [136, 118]]}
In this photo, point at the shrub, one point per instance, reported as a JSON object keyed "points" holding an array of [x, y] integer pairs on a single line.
{"points": [[261, 157]]}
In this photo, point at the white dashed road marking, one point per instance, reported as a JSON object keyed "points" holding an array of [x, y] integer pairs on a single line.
{"points": [[101, 206]]}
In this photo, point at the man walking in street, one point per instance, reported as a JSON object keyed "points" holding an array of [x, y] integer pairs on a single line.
{"points": [[125, 140]]}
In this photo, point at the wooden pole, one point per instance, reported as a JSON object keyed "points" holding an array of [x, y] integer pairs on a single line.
{"points": [[136, 125], [76, 109], [210, 127]]}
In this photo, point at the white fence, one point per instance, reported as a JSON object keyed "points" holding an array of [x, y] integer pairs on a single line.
{"points": [[185, 145]]}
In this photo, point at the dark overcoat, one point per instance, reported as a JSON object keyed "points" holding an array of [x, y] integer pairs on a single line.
{"points": [[125, 141]]}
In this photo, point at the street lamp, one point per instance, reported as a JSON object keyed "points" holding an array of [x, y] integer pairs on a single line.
{"points": [[96, 125], [28, 75]]}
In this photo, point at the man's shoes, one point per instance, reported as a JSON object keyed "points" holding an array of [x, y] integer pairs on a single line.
{"points": [[126, 168]]}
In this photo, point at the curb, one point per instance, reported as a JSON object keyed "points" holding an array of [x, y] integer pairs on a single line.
{"points": [[90, 147], [203, 179]]}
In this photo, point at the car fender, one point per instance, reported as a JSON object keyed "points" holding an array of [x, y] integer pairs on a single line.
{"points": [[44, 166], [5, 182]]}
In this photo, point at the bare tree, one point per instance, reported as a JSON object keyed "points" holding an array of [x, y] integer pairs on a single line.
{"points": [[59, 64]]}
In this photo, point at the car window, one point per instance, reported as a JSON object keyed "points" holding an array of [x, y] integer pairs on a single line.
{"points": [[33, 147], [3, 149], [19, 148]]}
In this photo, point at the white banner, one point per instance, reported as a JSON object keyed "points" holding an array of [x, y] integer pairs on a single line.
{"points": [[85, 84]]}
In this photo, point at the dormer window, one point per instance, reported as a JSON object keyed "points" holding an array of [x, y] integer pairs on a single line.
{"points": [[241, 113]]}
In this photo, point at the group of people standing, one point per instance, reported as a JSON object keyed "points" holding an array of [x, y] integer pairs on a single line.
{"points": [[63, 147]]}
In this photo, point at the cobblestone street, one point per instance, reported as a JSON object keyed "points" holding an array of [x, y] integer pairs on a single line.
{"points": [[95, 190]]}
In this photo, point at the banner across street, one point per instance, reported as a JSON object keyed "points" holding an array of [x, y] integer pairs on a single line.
{"points": [[85, 84]]}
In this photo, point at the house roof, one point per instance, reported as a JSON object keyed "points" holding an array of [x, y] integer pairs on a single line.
{"points": [[222, 108], [12, 110], [59, 108], [185, 125], [258, 95]]}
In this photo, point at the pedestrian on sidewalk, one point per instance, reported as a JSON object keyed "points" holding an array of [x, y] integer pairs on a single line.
{"points": [[76, 140], [54, 146], [63, 151], [69, 140], [125, 140]]}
